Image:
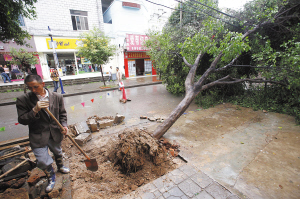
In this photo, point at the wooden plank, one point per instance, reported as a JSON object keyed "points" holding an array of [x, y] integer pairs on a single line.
{"points": [[14, 141], [12, 145]]}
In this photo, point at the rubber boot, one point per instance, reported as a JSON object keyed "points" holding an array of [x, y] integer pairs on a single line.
{"points": [[51, 178], [60, 166]]}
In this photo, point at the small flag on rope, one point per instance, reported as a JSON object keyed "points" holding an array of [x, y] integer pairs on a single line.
{"points": [[101, 96], [92, 100], [72, 107], [83, 103], [16, 123], [2, 128]]}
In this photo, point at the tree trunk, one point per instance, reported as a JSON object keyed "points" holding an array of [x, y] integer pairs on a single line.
{"points": [[102, 75], [24, 82], [176, 113]]}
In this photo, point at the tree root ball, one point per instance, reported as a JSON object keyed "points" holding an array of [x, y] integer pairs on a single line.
{"points": [[134, 148]]}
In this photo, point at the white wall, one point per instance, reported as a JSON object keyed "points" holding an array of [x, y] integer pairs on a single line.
{"points": [[56, 14]]}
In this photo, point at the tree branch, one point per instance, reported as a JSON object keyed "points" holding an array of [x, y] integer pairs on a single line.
{"points": [[191, 76], [235, 81], [186, 62]]}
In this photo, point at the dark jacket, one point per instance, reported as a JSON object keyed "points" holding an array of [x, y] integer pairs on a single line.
{"points": [[41, 125]]}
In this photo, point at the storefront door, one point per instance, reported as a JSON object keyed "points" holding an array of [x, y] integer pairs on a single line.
{"points": [[131, 68]]}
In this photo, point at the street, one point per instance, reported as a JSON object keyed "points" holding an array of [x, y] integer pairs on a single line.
{"points": [[147, 100]]}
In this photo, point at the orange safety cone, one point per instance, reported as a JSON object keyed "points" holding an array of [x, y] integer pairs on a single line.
{"points": [[124, 94]]}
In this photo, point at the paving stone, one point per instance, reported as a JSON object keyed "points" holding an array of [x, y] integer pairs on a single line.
{"points": [[189, 187], [188, 170], [83, 138], [148, 195], [177, 176], [217, 191], [160, 197], [163, 184], [233, 197], [150, 187], [157, 193], [202, 179], [203, 195], [175, 192]]}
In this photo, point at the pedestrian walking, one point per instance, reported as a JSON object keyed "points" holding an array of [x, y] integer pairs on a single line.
{"points": [[119, 77], [55, 79], [110, 73], [44, 133], [4, 75]]}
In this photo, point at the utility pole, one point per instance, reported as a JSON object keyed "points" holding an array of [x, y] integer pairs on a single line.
{"points": [[56, 60], [180, 13]]}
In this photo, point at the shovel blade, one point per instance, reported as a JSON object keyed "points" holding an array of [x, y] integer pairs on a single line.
{"points": [[91, 164]]}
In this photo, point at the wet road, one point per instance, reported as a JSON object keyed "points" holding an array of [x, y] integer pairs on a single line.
{"points": [[147, 100]]}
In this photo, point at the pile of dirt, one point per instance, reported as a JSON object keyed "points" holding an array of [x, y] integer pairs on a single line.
{"points": [[126, 161], [134, 149]]}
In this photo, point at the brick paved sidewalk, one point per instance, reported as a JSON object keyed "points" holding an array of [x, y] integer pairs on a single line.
{"points": [[185, 182]]}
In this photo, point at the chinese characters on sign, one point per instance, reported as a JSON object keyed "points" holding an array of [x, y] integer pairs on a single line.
{"points": [[136, 55], [136, 42]]}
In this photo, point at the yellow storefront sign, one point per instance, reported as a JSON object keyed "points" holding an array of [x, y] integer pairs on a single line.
{"points": [[64, 43]]}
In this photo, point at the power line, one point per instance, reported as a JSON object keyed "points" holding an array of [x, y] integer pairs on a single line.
{"points": [[208, 14], [211, 8], [192, 12]]}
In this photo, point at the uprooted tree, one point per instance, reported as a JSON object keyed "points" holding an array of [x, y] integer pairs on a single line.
{"points": [[222, 49]]}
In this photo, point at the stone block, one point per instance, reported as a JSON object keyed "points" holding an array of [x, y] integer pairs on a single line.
{"points": [[35, 176], [105, 123], [39, 189], [93, 125], [119, 119], [81, 127], [83, 138], [19, 183], [25, 167], [15, 194]]}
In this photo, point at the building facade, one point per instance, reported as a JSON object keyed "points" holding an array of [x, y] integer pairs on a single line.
{"points": [[127, 23], [67, 20]]}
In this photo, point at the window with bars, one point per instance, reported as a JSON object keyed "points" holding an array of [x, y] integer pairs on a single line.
{"points": [[79, 20]]}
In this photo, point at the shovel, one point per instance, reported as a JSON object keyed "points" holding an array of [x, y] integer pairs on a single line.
{"points": [[91, 164]]}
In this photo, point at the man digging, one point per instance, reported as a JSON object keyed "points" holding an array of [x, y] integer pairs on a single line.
{"points": [[44, 133]]}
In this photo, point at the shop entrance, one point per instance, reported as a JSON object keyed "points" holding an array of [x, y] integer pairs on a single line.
{"points": [[140, 68]]}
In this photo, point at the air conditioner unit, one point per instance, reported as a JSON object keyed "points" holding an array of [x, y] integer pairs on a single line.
{"points": [[1, 47]]}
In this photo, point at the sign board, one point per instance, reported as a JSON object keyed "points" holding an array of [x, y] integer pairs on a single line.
{"points": [[131, 5], [130, 55], [63, 43], [136, 42]]}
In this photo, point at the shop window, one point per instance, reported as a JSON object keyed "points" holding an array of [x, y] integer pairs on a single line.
{"points": [[79, 20]]}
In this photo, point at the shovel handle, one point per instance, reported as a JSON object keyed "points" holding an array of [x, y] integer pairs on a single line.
{"points": [[63, 129]]}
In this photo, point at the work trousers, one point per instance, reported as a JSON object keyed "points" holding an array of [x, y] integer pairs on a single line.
{"points": [[44, 160]]}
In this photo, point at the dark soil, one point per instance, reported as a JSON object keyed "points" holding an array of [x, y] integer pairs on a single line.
{"points": [[126, 161]]}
